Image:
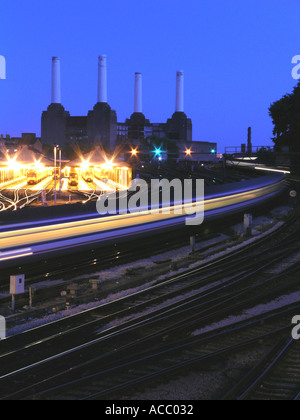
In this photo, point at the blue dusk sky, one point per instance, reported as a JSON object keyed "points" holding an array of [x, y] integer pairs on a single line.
{"points": [[236, 56]]}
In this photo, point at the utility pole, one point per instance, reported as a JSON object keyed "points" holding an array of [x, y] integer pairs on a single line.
{"points": [[60, 177], [55, 150], [31, 293]]}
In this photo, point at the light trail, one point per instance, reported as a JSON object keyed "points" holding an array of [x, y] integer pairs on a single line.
{"points": [[41, 185], [71, 230], [24, 201], [102, 186], [10, 185], [260, 168], [5, 256], [22, 183], [256, 167]]}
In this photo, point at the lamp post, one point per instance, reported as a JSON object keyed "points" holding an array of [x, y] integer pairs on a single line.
{"points": [[60, 177], [55, 175]]}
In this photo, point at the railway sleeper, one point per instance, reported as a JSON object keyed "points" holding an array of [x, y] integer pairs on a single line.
{"points": [[283, 384], [270, 397]]}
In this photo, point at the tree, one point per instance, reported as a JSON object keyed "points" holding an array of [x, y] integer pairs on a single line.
{"points": [[285, 115]]}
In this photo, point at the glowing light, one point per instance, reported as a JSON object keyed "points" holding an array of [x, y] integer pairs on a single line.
{"points": [[157, 152], [85, 165], [38, 165], [4, 256], [12, 164], [188, 152], [134, 152], [258, 168], [247, 158], [109, 165]]}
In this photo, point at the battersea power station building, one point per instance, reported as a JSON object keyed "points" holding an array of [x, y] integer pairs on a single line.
{"points": [[101, 126]]}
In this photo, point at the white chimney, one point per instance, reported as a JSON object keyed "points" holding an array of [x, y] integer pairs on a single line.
{"points": [[102, 79], [179, 92], [56, 88], [138, 93]]}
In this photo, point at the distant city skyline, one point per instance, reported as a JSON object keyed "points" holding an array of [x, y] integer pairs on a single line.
{"points": [[236, 57]]}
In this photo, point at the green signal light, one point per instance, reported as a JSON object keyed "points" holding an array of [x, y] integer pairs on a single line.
{"points": [[157, 152]]}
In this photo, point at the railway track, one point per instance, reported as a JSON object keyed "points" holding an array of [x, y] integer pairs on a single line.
{"points": [[58, 360], [116, 255], [200, 305], [212, 271], [165, 361], [28, 196], [190, 302], [276, 377], [139, 361], [113, 256]]}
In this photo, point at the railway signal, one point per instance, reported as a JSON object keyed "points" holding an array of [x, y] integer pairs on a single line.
{"points": [[157, 152], [17, 287]]}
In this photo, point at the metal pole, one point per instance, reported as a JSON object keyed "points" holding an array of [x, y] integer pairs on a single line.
{"points": [[248, 223], [224, 168], [60, 177], [193, 243], [30, 296], [55, 175]]}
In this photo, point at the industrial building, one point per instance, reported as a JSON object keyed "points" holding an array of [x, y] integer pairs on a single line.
{"points": [[10, 145], [100, 125], [138, 127]]}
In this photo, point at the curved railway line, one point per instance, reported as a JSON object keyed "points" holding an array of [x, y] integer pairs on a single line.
{"points": [[169, 328], [135, 363], [150, 333], [276, 377], [23, 243]]}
